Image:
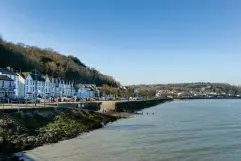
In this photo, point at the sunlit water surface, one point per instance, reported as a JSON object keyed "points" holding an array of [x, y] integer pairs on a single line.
{"points": [[197, 130]]}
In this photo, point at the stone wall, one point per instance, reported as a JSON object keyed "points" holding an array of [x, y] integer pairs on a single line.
{"points": [[132, 106]]}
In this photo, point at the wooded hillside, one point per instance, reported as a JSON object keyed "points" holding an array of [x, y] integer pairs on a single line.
{"points": [[26, 58], [197, 86]]}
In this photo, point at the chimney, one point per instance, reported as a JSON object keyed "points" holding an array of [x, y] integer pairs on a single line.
{"points": [[9, 68]]}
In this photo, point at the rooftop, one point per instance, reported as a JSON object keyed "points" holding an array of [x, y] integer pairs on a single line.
{"points": [[24, 74], [4, 77], [7, 71], [37, 77]]}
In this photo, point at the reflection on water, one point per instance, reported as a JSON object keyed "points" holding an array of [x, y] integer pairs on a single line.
{"points": [[181, 130]]}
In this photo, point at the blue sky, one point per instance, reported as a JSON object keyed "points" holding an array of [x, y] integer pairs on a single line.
{"points": [[135, 41]]}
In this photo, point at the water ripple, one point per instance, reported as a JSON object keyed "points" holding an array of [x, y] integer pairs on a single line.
{"points": [[179, 131]]}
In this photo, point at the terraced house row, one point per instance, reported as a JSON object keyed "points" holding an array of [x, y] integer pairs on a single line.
{"points": [[34, 84]]}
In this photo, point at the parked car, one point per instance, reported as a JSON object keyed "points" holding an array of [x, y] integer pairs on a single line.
{"points": [[46, 100], [57, 99]]}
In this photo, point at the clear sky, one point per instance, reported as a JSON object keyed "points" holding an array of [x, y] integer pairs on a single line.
{"points": [[135, 41]]}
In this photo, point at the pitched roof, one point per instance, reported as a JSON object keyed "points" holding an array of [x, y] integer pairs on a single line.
{"points": [[51, 79], [37, 77], [4, 77], [91, 86], [24, 74], [7, 71]]}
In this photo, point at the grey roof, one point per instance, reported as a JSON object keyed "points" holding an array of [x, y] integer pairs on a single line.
{"points": [[92, 87], [89, 86], [7, 71], [37, 77], [4, 77]]}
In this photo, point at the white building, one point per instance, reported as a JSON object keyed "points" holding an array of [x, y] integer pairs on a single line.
{"points": [[86, 90], [47, 86], [9, 73], [21, 87], [69, 90], [53, 87], [31, 85], [60, 87], [34, 85], [7, 86]]}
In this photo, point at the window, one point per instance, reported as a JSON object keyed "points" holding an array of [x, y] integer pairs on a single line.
{"points": [[2, 83]]}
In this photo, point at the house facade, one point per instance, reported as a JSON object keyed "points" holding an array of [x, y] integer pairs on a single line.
{"points": [[52, 87], [9, 73], [21, 87], [47, 86], [86, 91], [34, 85], [68, 89], [7, 86], [61, 87]]}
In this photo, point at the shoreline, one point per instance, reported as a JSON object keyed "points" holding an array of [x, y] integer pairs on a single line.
{"points": [[65, 124], [30, 129], [200, 98]]}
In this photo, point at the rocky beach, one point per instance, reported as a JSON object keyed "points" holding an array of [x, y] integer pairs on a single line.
{"points": [[24, 131]]}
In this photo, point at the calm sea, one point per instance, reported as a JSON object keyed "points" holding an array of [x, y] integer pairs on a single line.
{"points": [[195, 130]]}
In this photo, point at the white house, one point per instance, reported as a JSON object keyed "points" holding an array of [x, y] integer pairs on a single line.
{"points": [[7, 86], [47, 86], [9, 73], [34, 85], [60, 87], [21, 87], [53, 87], [69, 89], [86, 90], [56, 89]]}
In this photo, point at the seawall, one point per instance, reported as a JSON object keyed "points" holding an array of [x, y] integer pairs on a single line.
{"points": [[28, 129], [132, 106], [93, 106], [101, 106], [129, 106]]}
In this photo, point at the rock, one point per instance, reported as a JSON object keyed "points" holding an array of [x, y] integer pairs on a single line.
{"points": [[24, 140], [31, 139], [16, 141], [1, 140]]}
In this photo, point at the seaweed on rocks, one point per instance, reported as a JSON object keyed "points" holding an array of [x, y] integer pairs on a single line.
{"points": [[25, 131]]}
